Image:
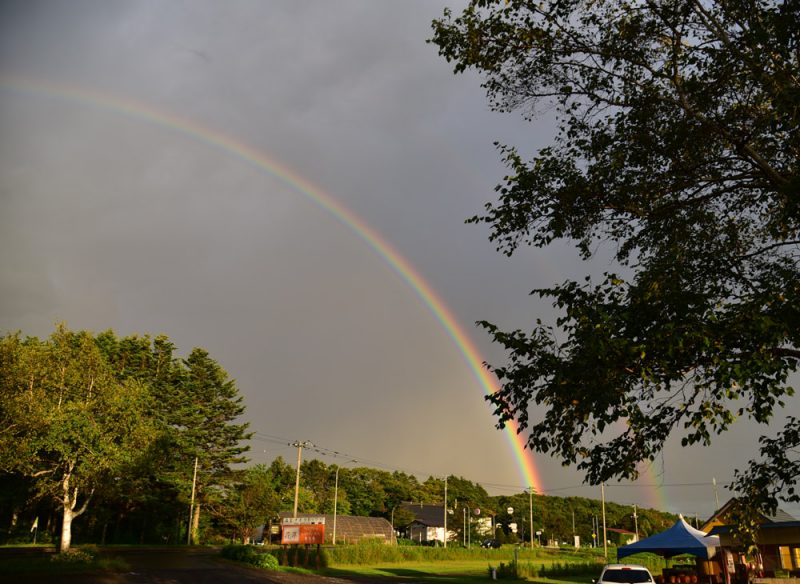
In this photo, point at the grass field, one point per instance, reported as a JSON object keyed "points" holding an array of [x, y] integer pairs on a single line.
{"points": [[464, 565], [420, 564], [541, 565], [444, 571]]}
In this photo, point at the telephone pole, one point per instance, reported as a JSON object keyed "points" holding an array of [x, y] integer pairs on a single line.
{"points": [[605, 535], [444, 537], [299, 445], [530, 508], [191, 505]]}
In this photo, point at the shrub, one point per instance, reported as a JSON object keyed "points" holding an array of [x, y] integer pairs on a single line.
{"points": [[248, 554], [267, 561], [73, 556], [504, 571]]}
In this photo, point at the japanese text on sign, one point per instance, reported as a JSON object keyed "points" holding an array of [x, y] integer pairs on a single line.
{"points": [[303, 534]]}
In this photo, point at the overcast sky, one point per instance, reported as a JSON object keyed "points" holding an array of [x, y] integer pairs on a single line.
{"points": [[108, 220]]}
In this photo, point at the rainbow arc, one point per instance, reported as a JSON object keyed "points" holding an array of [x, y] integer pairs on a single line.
{"points": [[528, 472]]}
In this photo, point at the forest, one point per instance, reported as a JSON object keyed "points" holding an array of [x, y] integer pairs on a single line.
{"points": [[118, 440]]}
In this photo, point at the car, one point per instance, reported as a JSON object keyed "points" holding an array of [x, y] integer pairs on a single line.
{"points": [[491, 543], [624, 574]]}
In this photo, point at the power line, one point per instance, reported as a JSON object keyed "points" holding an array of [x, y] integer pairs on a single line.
{"points": [[337, 454]]}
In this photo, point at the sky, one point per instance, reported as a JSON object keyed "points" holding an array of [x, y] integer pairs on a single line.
{"points": [[285, 184]]}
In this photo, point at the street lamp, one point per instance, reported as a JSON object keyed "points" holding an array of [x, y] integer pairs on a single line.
{"points": [[336, 498], [394, 533]]}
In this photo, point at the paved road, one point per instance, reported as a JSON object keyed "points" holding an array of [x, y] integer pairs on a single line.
{"points": [[170, 566]]}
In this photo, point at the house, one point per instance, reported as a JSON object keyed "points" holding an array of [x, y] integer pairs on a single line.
{"points": [[428, 523], [621, 536], [722, 515], [777, 539]]}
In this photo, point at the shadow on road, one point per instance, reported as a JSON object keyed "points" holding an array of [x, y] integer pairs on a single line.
{"points": [[197, 565]]}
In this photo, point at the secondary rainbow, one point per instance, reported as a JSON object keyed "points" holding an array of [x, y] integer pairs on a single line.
{"points": [[393, 258]]}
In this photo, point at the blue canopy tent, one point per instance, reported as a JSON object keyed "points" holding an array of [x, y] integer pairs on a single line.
{"points": [[679, 539]]}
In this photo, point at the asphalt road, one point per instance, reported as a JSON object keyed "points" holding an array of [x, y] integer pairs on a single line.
{"points": [[168, 566]]}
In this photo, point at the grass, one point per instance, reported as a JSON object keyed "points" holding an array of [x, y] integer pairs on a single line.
{"points": [[418, 571], [562, 580], [437, 565], [440, 572]]}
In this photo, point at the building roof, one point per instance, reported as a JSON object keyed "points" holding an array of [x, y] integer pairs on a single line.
{"points": [[622, 531], [720, 517], [351, 527], [424, 514], [720, 529]]}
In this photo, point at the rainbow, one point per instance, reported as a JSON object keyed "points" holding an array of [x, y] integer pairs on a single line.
{"points": [[393, 258], [657, 498]]}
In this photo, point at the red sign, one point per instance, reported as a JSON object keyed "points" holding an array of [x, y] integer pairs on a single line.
{"points": [[303, 534]]}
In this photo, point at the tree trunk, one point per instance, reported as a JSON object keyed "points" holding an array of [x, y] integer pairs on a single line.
{"points": [[69, 501], [66, 528], [68, 506]]}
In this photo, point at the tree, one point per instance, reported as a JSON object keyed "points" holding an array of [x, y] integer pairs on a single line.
{"points": [[250, 501], [147, 504], [203, 409], [678, 152], [66, 422], [364, 488], [318, 479]]}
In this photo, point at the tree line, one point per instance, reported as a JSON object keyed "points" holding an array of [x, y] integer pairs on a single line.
{"points": [[107, 439], [119, 432]]}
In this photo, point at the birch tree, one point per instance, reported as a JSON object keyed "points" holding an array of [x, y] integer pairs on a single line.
{"points": [[66, 422]]}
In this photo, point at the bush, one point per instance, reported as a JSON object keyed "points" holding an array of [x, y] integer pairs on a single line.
{"points": [[267, 561], [249, 554], [504, 571], [73, 556], [314, 558]]}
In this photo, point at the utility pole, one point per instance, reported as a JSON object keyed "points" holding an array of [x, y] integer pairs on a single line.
{"points": [[444, 538], [635, 523], [573, 525], [299, 445], [530, 505], [465, 527], [191, 505], [605, 536], [716, 495]]}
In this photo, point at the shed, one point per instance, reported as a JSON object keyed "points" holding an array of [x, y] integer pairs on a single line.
{"points": [[351, 528]]}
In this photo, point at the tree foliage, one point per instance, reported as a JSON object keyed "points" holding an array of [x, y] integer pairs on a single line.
{"points": [[678, 151], [67, 422], [250, 501], [118, 422]]}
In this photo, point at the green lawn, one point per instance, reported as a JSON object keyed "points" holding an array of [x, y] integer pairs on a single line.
{"points": [[470, 567], [441, 571]]}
